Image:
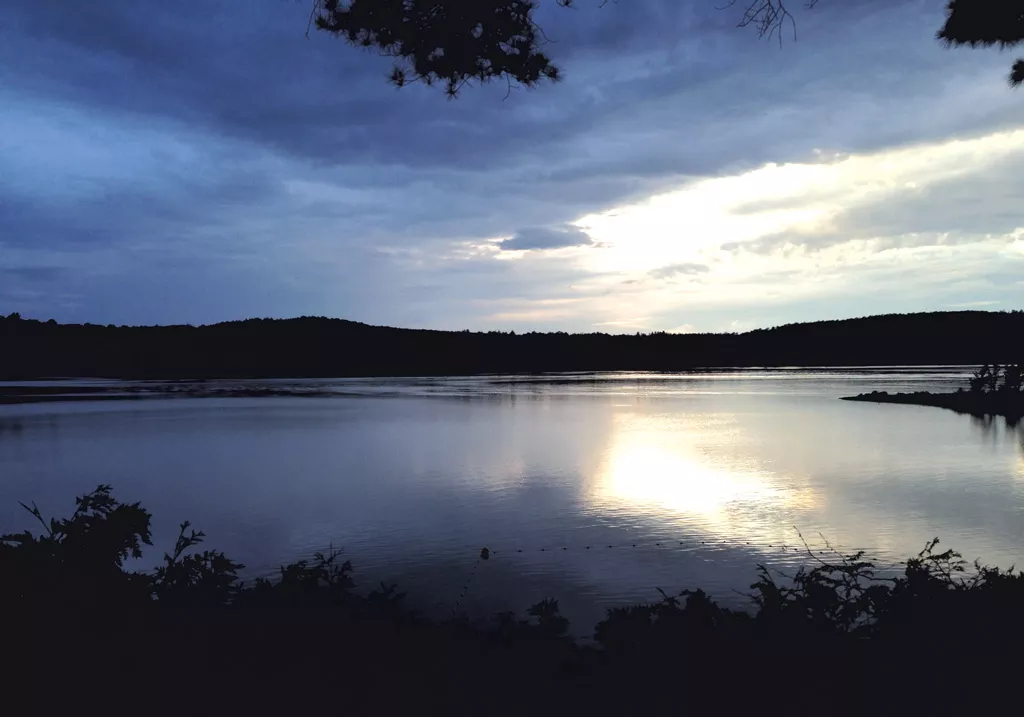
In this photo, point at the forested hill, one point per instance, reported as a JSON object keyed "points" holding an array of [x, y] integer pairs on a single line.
{"points": [[320, 347]]}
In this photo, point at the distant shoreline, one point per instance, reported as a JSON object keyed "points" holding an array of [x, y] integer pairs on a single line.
{"points": [[310, 347], [1010, 407], [76, 389], [10, 395]]}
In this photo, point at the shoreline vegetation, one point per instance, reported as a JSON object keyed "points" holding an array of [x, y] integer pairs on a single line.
{"points": [[185, 389], [995, 390], [317, 347], [836, 636]]}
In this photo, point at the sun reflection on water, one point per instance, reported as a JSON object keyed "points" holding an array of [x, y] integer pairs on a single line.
{"points": [[650, 474], [665, 469]]}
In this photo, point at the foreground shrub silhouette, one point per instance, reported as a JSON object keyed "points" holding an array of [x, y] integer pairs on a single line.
{"points": [[838, 636]]}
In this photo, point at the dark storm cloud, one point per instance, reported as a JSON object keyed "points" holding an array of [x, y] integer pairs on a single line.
{"points": [[254, 76], [546, 238], [204, 130], [115, 211], [32, 274]]}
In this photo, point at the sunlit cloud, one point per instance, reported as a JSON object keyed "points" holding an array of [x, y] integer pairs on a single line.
{"points": [[785, 233], [710, 213]]}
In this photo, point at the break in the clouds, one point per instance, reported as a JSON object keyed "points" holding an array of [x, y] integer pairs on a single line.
{"points": [[206, 164]]}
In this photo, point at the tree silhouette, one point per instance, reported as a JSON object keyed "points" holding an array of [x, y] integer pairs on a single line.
{"points": [[1013, 378], [452, 42], [986, 23], [968, 22], [445, 41], [769, 16]]}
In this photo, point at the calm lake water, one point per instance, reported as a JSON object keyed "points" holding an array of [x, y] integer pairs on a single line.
{"points": [[706, 474]]}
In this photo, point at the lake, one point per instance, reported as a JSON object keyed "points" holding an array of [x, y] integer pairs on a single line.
{"points": [[591, 488]]}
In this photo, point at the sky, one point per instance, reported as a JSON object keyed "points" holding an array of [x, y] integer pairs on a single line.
{"points": [[197, 162]]}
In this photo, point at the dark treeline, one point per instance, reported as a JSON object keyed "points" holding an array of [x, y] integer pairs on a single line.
{"points": [[321, 347]]}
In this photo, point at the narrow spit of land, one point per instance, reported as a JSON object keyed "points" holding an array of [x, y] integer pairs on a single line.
{"points": [[1010, 406], [994, 390]]}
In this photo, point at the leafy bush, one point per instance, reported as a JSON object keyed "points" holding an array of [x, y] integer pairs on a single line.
{"points": [[79, 559]]}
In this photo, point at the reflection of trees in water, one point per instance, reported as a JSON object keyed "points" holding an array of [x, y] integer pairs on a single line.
{"points": [[992, 426]]}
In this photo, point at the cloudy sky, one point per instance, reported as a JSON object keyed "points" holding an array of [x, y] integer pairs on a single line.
{"points": [[198, 161]]}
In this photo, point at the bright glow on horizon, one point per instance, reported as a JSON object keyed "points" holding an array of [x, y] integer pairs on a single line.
{"points": [[679, 226], [666, 254]]}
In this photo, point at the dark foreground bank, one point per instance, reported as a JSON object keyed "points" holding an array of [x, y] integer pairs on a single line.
{"points": [[83, 633]]}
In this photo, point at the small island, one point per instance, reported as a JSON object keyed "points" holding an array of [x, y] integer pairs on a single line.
{"points": [[995, 390]]}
